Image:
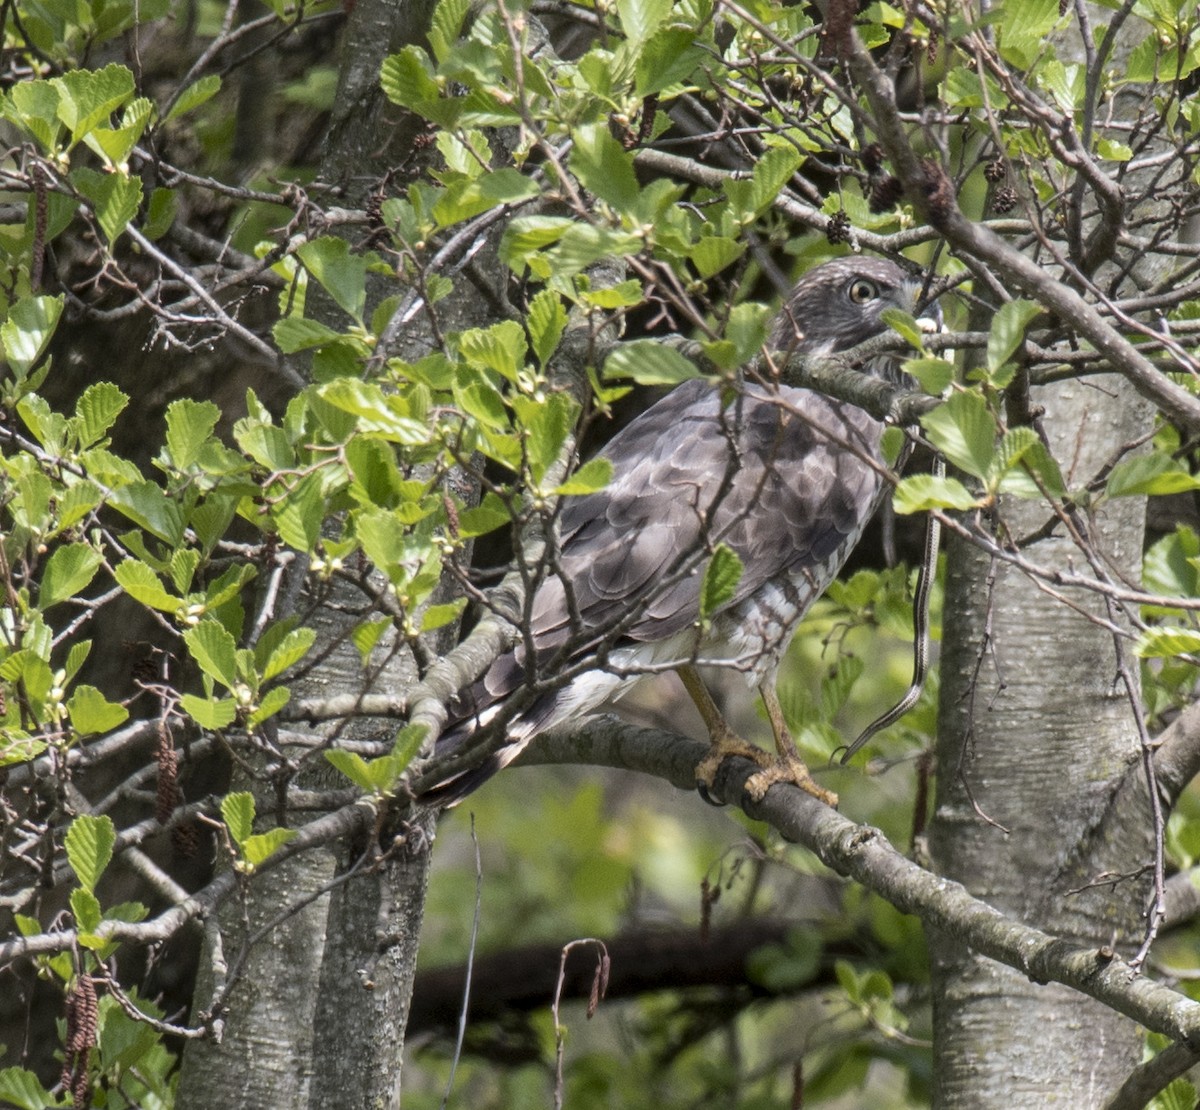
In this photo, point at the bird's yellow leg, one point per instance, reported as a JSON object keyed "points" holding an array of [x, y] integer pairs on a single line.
{"points": [[724, 741], [789, 767]]}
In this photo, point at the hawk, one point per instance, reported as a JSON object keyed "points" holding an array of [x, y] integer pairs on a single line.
{"points": [[784, 477]]}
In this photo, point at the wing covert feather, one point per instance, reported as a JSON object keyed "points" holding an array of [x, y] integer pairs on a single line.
{"points": [[786, 497]]}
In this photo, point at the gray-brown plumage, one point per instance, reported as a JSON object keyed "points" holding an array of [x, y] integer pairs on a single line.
{"points": [[785, 477]]}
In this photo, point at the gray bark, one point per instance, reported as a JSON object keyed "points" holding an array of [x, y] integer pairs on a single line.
{"points": [[1037, 729], [264, 1060], [317, 1014]]}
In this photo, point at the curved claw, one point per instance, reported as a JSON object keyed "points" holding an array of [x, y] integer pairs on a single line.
{"points": [[702, 788]]}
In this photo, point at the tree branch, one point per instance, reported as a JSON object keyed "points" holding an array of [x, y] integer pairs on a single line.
{"points": [[931, 192], [863, 854], [522, 979]]}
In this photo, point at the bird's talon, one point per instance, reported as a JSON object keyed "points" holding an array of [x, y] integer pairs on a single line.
{"points": [[791, 771], [703, 789]]}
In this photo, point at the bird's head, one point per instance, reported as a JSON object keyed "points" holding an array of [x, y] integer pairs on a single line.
{"points": [[839, 304]]}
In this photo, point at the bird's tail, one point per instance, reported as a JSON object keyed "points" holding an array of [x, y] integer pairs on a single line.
{"points": [[519, 731], [453, 789]]}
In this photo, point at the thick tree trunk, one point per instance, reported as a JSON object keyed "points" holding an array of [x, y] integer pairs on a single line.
{"points": [[1038, 735], [318, 1014]]}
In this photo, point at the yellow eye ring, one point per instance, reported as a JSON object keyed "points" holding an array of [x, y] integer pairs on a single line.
{"points": [[861, 291]]}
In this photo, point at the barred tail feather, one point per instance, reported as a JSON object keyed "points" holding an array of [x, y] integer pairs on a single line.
{"points": [[576, 699]]}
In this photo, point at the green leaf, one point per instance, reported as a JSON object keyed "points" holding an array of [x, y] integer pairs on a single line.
{"points": [[593, 475], [301, 513], [904, 326], [382, 537], [214, 650], [891, 444], [379, 776], [385, 414], [964, 431], [772, 172], [1172, 565], [160, 213], [28, 331], [21, 1089], [649, 363], [77, 501], [1155, 474], [68, 571], [367, 634], [1114, 151], [1023, 26], [604, 167], [546, 321], [96, 411], [189, 425], [377, 479], [290, 650], [1014, 446], [295, 333], [266, 444], [209, 713], [406, 81], [526, 235], [28, 667], [49, 428], [353, 766], [230, 583], [114, 144], [1008, 330], [721, 578], [502, 348], [132, 912], [921, 492], [261, 846], [447, 25], [89, 844], [1159, 643], [547, 424], [19, 747], [237, 811], [625, 294], [934, 374], [745, 333], [485, 517], [85, 907], [88, 97], [641, 18], [406, 746], [464, 199], [115, 198], [670, 55], [92, 712], [141, 583], [182, 568], [195, 94], [714, 252], [269, 704], [211, 519], [76, 657], [438, 616], [33, 105], [147, 506], [342, 274]]}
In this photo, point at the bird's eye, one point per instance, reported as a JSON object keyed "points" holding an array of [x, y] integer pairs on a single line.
{"points": [[861, 291]]}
